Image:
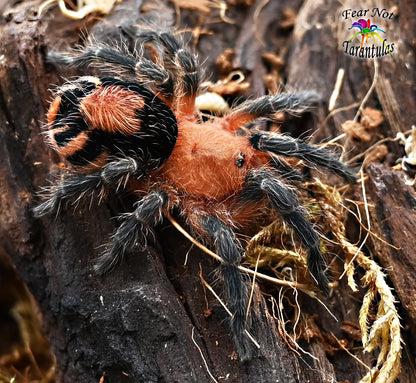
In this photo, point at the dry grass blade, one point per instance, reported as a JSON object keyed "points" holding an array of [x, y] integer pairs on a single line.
{"points": [[381, 332], [384, 331], [202, 356]]}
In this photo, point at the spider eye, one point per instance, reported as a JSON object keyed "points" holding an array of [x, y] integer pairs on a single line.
{"points": [[240, 160]]}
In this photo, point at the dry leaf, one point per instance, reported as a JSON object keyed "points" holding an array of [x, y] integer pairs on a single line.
{"points": [[371, 118], [356, 131], [376, 155]]}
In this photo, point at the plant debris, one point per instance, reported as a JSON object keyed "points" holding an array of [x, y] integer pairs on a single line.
{"points": [[409, 143], [275, 249], [273, 78], [363, 130], [82, 9]]}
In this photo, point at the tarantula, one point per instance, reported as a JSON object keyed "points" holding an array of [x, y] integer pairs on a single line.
{"points": [[141, 124]]}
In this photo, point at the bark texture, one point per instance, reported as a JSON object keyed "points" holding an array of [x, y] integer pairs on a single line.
{"points": [[145, 322]]}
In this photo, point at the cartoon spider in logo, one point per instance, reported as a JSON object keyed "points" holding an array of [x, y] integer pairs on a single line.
{"points": [[366, 30], [140, 128]]}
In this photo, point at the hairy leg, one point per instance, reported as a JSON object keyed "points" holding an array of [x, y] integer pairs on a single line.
{"points": [[290, 147], [119, 60], [267, 106], [235, 287], [286, 171], [76, 186], [286, 203], [181, 62], [135, 228]]}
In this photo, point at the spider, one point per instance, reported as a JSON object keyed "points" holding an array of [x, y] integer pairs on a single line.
{"points": [[140, 126]]}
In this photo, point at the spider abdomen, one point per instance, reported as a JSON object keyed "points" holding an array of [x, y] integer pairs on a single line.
{"points": [[94, 118]]}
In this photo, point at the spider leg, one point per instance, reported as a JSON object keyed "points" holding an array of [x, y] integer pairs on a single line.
{"points": [[290, 147], [134, 229], [286, 203], [286, 171], [99, 54], [236, 293], [183, 65], [122, 62], [112, 173], [267, 106]]}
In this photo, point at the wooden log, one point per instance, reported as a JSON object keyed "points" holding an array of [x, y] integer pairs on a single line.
{"points": [[148, 320]]}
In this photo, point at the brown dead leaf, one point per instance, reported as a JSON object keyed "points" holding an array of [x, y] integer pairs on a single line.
{"points": [[246, 3], [376, 155], [230, 88], [356, 131], [371, 118], [274, 65], [275, 62], [224, 62], [271, 83], [360, 131]]}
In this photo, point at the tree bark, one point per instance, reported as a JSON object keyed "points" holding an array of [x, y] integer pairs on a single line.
{"points": [[150, 320]]}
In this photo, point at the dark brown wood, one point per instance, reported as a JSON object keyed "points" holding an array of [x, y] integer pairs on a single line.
{"points": [[393, 218], [145, 321]]}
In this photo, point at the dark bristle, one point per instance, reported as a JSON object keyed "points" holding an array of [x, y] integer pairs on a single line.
{"points": [[290, 147], [235, 287]]}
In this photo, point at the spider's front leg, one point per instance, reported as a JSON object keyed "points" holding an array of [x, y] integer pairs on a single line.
{"points": [[286, 203], [286, 171], [290, 147], [236, 294], [134, 230], [268, 106], [76, 186], [291, 103]]}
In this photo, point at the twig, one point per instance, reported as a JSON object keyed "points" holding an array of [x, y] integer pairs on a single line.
{"points": [[368, 228], [334, 112], [367, 96], [337, 89], [252, 286], [255, 17], [202, 356], [382, 141], [363, 102], [350, 353]]}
